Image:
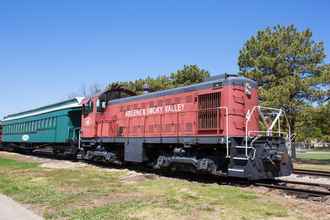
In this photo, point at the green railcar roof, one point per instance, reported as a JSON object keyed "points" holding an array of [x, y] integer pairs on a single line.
{"points": [[71, 103]]}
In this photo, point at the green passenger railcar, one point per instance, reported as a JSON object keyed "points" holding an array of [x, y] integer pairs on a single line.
{"points": [[56, 124]]}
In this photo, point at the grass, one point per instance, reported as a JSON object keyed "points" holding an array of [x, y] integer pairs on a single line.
{"points": [[316, 160], [320, 156], [97, 193]]}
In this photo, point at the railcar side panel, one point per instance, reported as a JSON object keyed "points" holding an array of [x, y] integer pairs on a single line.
{"points": [[53, 127]]}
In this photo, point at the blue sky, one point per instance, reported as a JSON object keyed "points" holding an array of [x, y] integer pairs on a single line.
{"points": [[50, 49]]}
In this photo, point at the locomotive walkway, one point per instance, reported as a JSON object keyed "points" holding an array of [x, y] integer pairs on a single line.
{"points": [[11, 210]]}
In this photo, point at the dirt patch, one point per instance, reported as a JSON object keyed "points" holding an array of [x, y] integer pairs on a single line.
{"points": [[62, 165], [133, 177], [318, 209], [49, 163]]}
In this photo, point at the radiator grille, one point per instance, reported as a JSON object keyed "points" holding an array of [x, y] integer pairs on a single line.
{"points": [[208, 112]]}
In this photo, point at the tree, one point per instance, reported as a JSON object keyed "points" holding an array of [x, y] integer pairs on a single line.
{"points": [[289, 68], [85, 91], [190, 74], [314, 123]]}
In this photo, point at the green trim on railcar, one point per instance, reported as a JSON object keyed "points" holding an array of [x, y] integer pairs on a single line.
{"points": [[48, 127]]}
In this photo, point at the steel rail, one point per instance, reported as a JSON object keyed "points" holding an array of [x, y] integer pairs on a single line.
{"points": [[292, 189], [312, 172]]}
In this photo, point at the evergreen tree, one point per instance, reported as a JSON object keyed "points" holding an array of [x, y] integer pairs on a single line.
{"points": [[289, 68], [190, 74]]}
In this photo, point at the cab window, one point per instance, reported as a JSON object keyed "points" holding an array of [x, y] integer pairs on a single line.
{"points": [[88, 107]]}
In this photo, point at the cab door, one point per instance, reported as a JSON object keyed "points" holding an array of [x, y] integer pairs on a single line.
{"points": [[88, 126]]}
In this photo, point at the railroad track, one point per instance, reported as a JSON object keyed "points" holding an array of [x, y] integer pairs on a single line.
{"points": [[312, 172], [296, 187]]}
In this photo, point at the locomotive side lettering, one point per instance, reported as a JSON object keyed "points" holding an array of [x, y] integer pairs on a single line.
{"points": [[155, 110]]}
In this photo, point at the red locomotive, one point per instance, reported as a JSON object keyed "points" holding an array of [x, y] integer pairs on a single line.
{"points": [[210, 127]]}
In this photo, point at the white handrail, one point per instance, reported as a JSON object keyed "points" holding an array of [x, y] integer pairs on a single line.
{"points": [[269, 129]]}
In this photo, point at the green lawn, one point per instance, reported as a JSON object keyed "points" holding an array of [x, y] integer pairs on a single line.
{"points": [[321, 156], [97, 193], [318, 160]]}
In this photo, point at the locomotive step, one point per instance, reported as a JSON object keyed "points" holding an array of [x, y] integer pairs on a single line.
{"points": [[262, 141], [240, 158], [243, 147], [236, 171]]}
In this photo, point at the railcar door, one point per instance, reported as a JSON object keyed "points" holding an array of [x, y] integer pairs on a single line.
{"points": [[209, 113]]}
